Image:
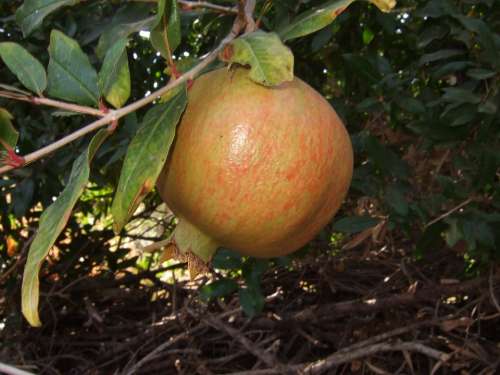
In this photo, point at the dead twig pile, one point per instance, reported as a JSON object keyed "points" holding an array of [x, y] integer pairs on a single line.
{"points": [[370, 313]]}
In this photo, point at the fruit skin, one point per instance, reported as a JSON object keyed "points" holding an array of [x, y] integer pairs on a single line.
{"points": [[259, 170]]}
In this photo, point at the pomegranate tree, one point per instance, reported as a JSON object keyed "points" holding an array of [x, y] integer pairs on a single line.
{"points": [[256, 169]]}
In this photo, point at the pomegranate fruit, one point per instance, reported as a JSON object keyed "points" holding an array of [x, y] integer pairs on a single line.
{"points": [[256, 169]]}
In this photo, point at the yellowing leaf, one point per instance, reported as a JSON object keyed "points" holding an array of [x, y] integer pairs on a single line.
{"points": [[52, 222], [271, 62], [114, 77]]}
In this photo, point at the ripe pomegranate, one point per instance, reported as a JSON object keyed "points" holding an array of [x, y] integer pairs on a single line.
{"points": [[256, 169]]}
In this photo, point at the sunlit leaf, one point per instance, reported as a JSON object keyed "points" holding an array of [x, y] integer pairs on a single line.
{"points": [[31, 14], [317, 18], [271, 62], [71, 76], [28, 70], [145, 157], [114, 77], [52, 222]]}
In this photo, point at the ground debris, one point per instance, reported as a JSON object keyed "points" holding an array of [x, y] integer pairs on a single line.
{"points": [[386, 314]]}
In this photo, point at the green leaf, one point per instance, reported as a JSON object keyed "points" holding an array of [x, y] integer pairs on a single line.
{"points": [[370, 104], [385, 159], [490, 107], [251, 300], [462, 115], [71, 76], [114, 77], [439, 55], [253, 270], [27, 69], [431, 238], [453, 234], [430, 34], [31, 14], [160, 12], [363, 66], [317, 18], [52, 222], [367, 36], [168, 30], [487, 38], [410, 104], [451, 67], [481, 74], [226, 259], [8, 133], [271, 62], [354, 224], [396, 200], [219, 288], [476, 231], [145, 157], [120, 31], [459, 95]]}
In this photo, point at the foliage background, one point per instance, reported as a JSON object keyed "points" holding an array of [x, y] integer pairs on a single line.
{"points": [[418, 89]]}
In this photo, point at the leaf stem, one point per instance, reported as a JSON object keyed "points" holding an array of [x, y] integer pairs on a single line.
{"points": [[188, 5], [170, 60], [207, 5], [114, 115]]}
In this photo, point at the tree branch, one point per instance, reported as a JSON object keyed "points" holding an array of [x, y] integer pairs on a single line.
{"points": [[114, 115], [53, 103], [248, 9]]}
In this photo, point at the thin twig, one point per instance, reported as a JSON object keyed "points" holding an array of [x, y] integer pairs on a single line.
{"points": [[53, 103], [338, 309], [251, 347], [115, 115], [336, 359], [248, 10], [161, 348], [182, 336], [494, 299], [448, 213]]}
